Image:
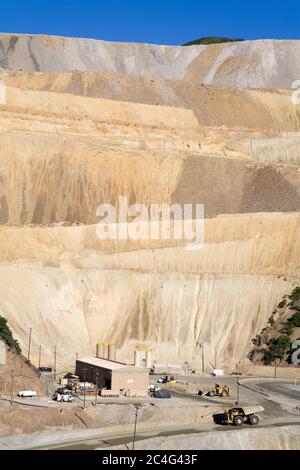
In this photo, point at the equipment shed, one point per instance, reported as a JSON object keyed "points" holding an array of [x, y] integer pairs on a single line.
{"points": [[112, 375]]}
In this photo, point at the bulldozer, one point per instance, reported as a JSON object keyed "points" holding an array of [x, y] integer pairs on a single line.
{"points": [[239, 415], [219, 391]]}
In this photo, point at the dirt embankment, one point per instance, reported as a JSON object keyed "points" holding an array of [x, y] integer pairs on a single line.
{"points": [[50, 422], [282, 438], [89, 151], [17, 373], [263, 111]]}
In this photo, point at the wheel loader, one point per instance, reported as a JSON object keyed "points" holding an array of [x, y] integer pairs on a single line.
{"points": [[240, 415], [219, 391]]}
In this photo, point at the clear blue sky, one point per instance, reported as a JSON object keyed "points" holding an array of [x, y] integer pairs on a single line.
{"points": [[155, 21]]}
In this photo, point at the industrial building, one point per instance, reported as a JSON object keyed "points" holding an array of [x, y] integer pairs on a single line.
{"points": [[113, 375], [106, 372]]}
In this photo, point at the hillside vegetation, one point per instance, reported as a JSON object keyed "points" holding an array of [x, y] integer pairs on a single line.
{"points": [[7, 337], [274, 343], [212, 40]]}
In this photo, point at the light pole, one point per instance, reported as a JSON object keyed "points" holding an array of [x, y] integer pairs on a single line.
{"points": [[237, 384], [84, 385], [97, 387], [12, 388], [54, 368], [216, 356], [40, 355], [137, 407], [275, 368], [203, 364]]}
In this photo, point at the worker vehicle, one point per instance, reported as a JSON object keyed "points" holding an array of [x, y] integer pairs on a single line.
{"points": [[66, 396], [27, 394], [45, 370], [161, 394], [217, 391], [239, 415], [166, 379], [153, 388]]}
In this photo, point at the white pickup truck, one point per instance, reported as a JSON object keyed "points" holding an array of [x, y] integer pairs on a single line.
{"points": [[27, 394], [66, 396]]}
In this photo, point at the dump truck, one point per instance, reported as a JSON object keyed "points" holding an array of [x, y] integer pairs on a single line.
{"points": [[216, 391], [239, 415]]}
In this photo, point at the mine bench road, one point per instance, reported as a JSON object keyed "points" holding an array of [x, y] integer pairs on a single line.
{"points": [[94, 443]]}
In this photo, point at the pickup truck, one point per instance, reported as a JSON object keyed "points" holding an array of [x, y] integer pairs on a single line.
{"points": [[27, 394], [66, 396]]}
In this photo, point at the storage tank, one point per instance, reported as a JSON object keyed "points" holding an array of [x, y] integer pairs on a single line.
{"points": [[137, 358], [111, 352], [149, 362], [100, 350]]}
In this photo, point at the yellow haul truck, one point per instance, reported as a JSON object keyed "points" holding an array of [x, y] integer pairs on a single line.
{"points": [[239, 415]]}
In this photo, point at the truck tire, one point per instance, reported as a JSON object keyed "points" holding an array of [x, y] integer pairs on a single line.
{"points": [[211, 393], [238, 420], [254, 420], [224, 394]]}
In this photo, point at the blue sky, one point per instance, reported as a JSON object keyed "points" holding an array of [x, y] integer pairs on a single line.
{"points": [[162, 22]]}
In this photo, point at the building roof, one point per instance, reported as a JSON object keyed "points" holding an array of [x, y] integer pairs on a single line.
{"points": [[105, 364]]}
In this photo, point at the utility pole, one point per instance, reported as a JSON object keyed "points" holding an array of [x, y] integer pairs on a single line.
{"points": [[216, 358], [84, 390], [203, 365], [54, 368], [29, 344], [137, 407], [97, 387], [12, 387], [237, 384], [40, 355]]}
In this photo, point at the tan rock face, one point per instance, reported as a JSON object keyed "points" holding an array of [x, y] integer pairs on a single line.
{"points": [[68, 145], [249, 64]]}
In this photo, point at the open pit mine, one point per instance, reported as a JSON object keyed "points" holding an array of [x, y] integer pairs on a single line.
{"points": [[83, 122]]}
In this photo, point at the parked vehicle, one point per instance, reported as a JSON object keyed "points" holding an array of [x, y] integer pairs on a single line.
{"points": [[153, 388], [45, 369], [218, 373], [64, 395], [27, 394], [162, 394], [166, 379]]}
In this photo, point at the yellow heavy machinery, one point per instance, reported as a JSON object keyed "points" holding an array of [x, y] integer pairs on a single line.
{"points": [[219, 391], [239, 415], [216, 391]]}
